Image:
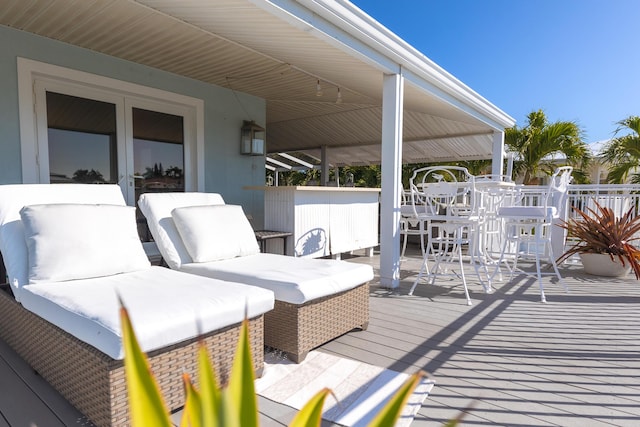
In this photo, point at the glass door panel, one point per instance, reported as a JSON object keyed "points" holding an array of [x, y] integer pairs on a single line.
{"points": [[158, 152], [82, 143], [158, 156]]}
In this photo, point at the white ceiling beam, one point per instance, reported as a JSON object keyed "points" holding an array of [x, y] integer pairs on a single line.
{"points": [[279, 163], [297, 160]]}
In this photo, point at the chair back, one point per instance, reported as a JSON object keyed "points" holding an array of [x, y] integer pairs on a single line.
{"points": [[556, 194], [13, 197], [443, 191], [157, 208]]}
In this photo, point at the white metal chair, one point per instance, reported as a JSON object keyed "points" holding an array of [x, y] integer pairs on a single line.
{"points": [[528, 229], [493, 194], [410, 224], [444, 198]]}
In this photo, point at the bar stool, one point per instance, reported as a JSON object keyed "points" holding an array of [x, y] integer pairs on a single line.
{"points": [[527, 226]]}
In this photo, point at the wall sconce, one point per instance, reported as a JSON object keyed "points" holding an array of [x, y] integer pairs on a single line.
{"points": [[252, 139]]}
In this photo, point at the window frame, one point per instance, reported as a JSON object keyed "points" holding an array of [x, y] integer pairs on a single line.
{"points": [[35, 78]]}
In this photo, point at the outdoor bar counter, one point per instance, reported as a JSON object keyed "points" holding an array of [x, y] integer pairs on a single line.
{"points": [[323, 220]]}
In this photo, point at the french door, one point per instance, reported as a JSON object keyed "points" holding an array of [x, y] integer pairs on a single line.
{"points": [[85, 135]]}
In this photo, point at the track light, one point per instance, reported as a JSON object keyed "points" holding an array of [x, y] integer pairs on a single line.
{"points": [[318, 89]]}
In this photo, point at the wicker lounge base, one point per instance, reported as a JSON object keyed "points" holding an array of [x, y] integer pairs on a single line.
{"points": [[92, 381], [297, 329]]}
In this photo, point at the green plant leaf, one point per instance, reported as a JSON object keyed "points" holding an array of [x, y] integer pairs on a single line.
{"points": [[209, 389], [241, 386], [388, 415], [192, 412], [460, 417], [600, 231], [145, 402], [229, 416], [311, 412]]}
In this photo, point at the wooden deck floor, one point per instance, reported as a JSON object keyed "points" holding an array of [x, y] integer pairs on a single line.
{"points": [[574, 361]]}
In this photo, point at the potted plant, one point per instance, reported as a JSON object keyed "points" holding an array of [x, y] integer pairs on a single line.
{"points": [[604, 241]]}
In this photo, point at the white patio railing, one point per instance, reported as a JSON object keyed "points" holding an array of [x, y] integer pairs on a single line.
{"points": [[619, 197]]}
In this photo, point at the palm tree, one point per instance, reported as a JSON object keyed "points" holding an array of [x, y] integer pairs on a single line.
{"points": [[476, 167], [539, 140], [623, 152]]}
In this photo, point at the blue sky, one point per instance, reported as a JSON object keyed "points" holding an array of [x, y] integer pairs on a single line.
{"points": [[575, 59]]}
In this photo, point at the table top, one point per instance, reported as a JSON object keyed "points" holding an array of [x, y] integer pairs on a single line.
{"points": [[314, 188], [271, 234]]}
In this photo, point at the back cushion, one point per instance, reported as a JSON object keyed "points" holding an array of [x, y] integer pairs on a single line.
{"points": [[70, 241], [213, 233], [157, 207], [13, 197]]}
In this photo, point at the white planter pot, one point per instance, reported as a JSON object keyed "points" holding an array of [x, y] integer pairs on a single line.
{"points": [[602, 265]]}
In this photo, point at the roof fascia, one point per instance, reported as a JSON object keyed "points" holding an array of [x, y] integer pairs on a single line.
{"points": [[343, 25]]}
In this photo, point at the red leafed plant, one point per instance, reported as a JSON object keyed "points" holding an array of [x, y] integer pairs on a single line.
{"points": [[599, 231]]}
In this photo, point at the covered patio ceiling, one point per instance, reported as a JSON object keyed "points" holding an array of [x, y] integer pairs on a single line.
{"points": [[278, 50]]}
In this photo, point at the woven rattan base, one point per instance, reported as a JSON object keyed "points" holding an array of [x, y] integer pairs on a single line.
{"points": [[297, 329], [93, 382]]}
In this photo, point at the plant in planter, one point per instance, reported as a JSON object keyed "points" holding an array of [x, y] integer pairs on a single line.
{"points": [[599, 231]]}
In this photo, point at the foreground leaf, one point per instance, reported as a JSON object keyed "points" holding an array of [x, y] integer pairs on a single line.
{"points": [[209, 389], [311, 412], [241, 388], [145, 402], [458, 419], [192, 412], [388, 415]]}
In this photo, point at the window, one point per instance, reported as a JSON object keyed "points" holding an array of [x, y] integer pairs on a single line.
{"points": [[92, 129]]}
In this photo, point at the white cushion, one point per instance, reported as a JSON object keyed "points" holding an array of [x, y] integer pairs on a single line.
{"points": [[293, 280], [14, 197], [157, 207], [215, 232], [166, 307], [72, 241], [528, 212]]}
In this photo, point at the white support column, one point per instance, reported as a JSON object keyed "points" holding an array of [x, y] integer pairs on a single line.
{"points": [[509, 171], [497, 161], [391, 168], [324, 166]]}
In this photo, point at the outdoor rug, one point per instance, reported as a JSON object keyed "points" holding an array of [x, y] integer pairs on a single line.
{"points": [[361, 389]]}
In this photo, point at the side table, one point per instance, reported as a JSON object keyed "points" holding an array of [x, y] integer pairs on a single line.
{"points": [[263, 235]]}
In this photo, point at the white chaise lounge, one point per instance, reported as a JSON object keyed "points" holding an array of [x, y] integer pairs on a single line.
{"points": [[316, 299], [69, 250]]}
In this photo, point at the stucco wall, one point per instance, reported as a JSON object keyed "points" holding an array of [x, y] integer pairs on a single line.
{"points": [[226, 171]]}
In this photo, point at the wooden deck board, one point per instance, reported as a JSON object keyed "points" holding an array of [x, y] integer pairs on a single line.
{"points": [[28, 400], [574, 361]]}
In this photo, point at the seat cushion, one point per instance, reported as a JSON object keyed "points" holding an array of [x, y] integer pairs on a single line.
{"points": [[166, 307], [528, 212], [215, 232], [71, 241], [157, 207], [293, 280]]}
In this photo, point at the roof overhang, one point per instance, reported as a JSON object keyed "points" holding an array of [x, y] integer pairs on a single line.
{"points": [[278, 50]]}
